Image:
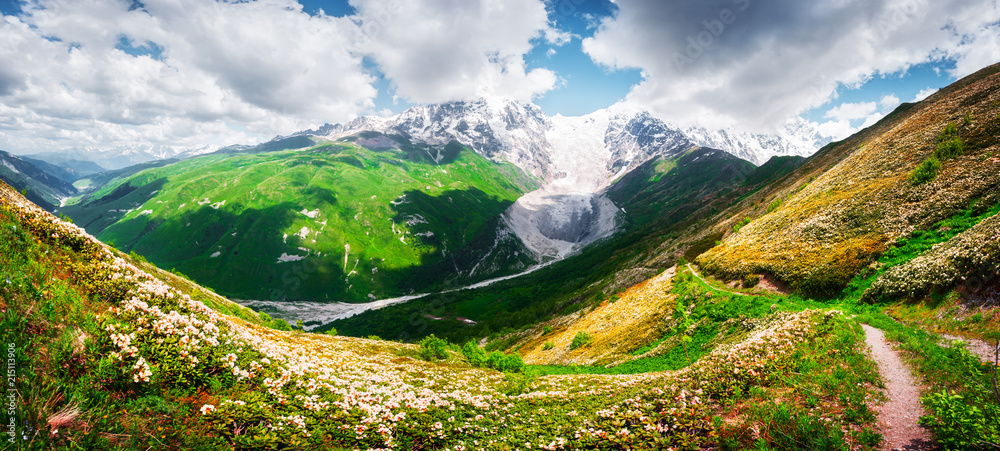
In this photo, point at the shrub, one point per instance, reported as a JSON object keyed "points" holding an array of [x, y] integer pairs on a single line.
{"points": [[967, 120], [751, 281], [332, 331], [959, 425], [949, 149], [950, 132], [512, 363], [475, 355], [548, 345], [926, 171], [774, 205], [581, 339], [547, 329], [433, 348], [739, 225]]}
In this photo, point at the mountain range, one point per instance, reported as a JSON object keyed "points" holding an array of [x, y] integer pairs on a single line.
{"points": [[726, 305]]}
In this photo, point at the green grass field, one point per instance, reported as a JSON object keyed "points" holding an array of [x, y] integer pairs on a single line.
{"points": [[336, 221]]}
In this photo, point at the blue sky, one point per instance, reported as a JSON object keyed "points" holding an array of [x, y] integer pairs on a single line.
{"points": [[98, 74]]}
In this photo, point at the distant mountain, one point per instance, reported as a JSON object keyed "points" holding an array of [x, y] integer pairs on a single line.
{"points": [[117, 157], [40, 187], [524, 135], [796, 138], [68, 170]]}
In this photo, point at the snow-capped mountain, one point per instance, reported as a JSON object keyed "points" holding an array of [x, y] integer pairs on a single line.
{"points": [[797, 137], [524, 135], [508, 131], [577, 157]]}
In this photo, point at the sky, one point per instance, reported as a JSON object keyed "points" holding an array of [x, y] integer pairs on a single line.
{"points": [[101, 74]]}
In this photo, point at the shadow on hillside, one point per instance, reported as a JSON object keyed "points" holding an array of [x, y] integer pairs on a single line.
{"points": [[462, 223], [234, 254]]}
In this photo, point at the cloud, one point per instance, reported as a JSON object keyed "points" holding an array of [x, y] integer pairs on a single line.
{"points": [[225, 74], [923, 94], [888, 102], [844, 115], [238, 72], [439, 51], [755, 63], [851, 111]]}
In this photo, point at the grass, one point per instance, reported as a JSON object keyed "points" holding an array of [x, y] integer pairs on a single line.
{"points": [[380, 222], [93, 396]]}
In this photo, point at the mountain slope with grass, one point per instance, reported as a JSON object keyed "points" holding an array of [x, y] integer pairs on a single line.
{"points": [[110, 355], [849, 203], [43, 188], [372, 216], [660, 199]]}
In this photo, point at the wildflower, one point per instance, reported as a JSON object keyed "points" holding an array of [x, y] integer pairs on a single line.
{"points": [[206, 409]]}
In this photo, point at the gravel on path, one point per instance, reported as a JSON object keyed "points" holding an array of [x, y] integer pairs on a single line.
{"points": [[898, 416]]}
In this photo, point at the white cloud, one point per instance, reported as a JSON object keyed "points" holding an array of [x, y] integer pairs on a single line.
{"points": [[238, 72], [923, 94], [724, 62], [888, 102], [851, 111], [438, 51], [221, 64], [557, 37]]}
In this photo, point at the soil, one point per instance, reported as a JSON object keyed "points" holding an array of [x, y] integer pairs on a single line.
{"points": [[898, 416]]}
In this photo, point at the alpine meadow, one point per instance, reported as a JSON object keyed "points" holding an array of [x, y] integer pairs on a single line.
{"points": [[500, 225]]}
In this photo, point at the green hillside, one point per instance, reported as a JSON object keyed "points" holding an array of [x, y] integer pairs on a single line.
{"points": [[42, 188], [661, 198], [850, 202], [625, 346], [335, 221]]}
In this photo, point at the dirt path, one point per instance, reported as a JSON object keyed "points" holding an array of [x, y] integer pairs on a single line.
{"points": [[898, 417], [710, 285]]}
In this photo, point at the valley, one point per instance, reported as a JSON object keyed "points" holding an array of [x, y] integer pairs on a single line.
{"points": [[478, 275]]}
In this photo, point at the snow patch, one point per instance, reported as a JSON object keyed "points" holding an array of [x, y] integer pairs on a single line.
{"points": [[145, 212], [303, 233], [11, 167], [218, 204], [311, 214], [289, 258], [204, 201], [215, 254], [413, 220]]}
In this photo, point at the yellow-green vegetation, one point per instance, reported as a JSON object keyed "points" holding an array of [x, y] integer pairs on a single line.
{"points": [[111, 357], [334, 221], [862, 198]]}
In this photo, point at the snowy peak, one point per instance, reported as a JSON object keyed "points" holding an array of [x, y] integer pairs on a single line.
{"points": [[797, 137], [582, 152]]}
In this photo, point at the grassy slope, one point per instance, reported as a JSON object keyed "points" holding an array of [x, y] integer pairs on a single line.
{"points": [[379, 215], [87, 323], [660, 198], [850, 201]]}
